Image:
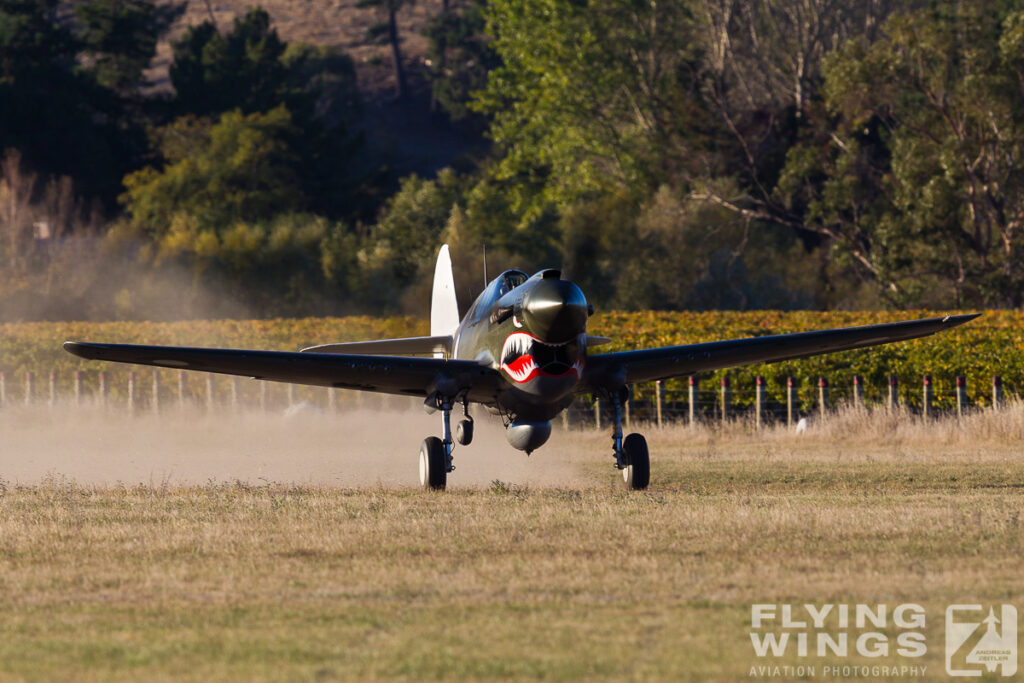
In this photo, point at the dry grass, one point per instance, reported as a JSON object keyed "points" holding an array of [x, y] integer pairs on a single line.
{"points": [[858, 435], [281, 581]]}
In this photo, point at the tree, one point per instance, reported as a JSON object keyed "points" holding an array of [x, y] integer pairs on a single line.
{"points": [[459, 57], [242, 168], [16, 190], [292, 264], [391, 9], [320, 84], [919, 181], [31, 42], [214, 73], [591, 96], [230, 204], [59, 119], [321, 92], [252, 70], [761, 76], [769, 53], [406, 235], [119, 37]]}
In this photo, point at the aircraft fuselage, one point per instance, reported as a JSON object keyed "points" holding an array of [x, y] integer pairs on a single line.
{"points": [[532, 330]]}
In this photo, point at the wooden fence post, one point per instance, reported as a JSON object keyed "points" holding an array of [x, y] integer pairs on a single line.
{"points": [[694, 400], [961, 395], [332, 400], [3, 390], [565, 418], [103, 389], [760, 401], [625, 409], [131, 392], [726, 397], [597, 413], [156, 393], [929, 394], [790, 401], [659, 400], [823, 396]]}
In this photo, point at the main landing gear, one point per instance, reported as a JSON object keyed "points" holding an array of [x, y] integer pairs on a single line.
{"points": [[435, 453], [433, 463], [631, 455]]}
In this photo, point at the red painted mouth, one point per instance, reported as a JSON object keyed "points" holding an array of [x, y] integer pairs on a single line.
{"points": [[524, 358]]}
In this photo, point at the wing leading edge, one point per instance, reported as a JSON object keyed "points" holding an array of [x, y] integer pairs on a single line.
{"points": [[389, 347], [387, 374], [646, 365]]}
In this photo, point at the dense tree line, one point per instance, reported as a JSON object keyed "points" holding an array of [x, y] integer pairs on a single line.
{"points": [[696, 154]]}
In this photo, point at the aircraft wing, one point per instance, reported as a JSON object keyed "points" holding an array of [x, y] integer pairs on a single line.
{"points": [[387, 374], [389, 347], [646, 365]]}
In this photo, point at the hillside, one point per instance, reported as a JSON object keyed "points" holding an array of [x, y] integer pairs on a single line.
{"points": [[321, 22], [412, 138]]}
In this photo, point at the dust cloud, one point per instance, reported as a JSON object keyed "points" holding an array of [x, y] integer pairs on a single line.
{"points": [[349, 448]]}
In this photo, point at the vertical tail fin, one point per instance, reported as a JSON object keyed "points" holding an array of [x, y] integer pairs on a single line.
{"points": [[444, 308]]}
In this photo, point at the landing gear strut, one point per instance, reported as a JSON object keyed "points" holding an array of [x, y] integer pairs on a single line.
{"points": [[631, 454], [464, 430], [435, 453]]}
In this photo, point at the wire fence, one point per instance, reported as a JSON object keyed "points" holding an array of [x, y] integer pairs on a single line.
{"points": [[787, 404], [160, 390]]}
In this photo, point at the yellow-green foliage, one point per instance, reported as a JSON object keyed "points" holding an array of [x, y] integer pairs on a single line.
{"points": [[991, 345], [36, 347]]}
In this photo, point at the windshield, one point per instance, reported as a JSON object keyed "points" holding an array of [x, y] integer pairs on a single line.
{"points": [[499, 286], [509, 280]]}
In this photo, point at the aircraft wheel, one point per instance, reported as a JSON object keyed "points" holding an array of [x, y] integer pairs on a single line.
{"points": [[433, 464], [464, 432], [637, 473]]}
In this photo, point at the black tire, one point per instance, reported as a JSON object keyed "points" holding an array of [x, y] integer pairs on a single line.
{"points": [[464, 432], [637, 473], [433, 464]]}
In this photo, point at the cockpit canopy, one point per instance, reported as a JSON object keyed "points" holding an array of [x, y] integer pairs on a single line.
{"points": [[497, 288], [509, 280]]}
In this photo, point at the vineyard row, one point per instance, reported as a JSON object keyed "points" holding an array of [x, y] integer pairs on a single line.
{"points": [[149, 392], [992, 345]]}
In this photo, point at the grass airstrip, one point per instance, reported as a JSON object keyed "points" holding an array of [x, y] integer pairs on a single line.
{"points": [[229, 581]]}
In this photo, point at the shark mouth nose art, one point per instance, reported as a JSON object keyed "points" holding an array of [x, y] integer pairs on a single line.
{"points": [[525, 357]]}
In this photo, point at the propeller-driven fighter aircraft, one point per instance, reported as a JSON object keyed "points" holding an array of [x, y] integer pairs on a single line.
{"points": [[521, 351]]}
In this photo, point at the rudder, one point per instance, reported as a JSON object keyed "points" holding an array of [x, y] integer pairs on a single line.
{"points": [[444, 307]]}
